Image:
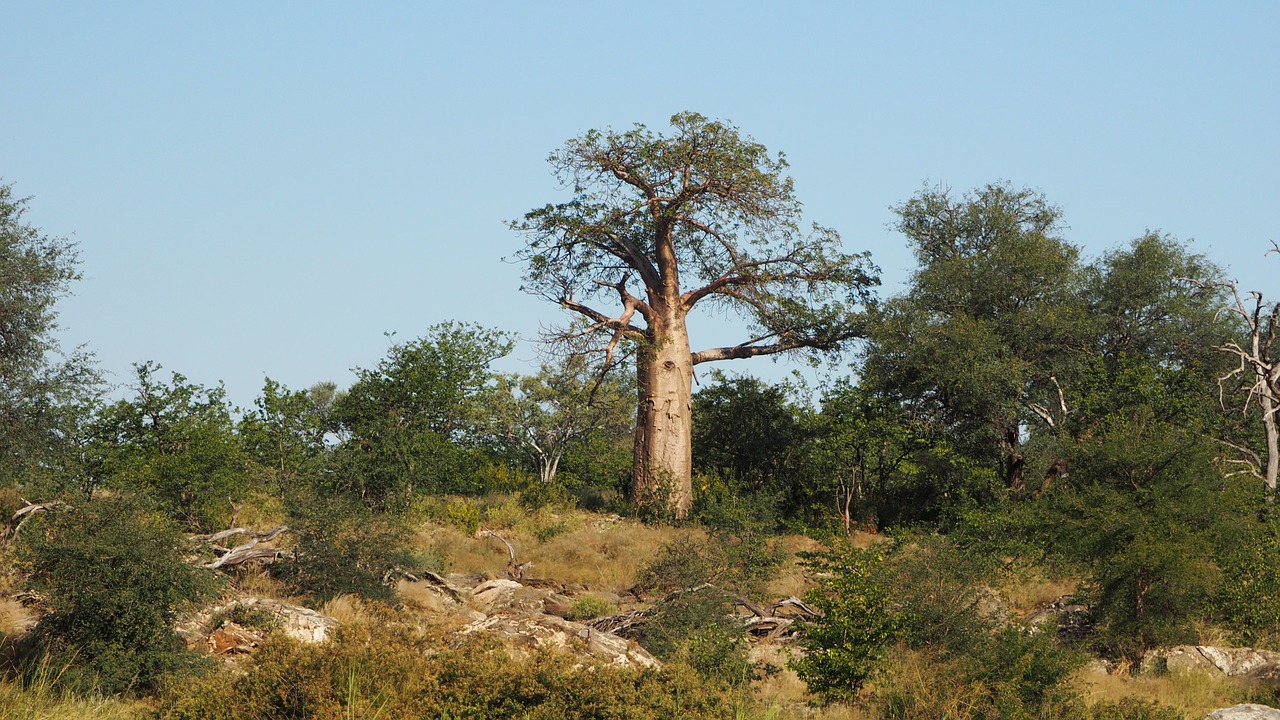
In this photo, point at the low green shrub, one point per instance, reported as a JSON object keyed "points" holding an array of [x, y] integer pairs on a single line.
{"points": [[697, 628], [342, 548], [464, 514], [114, 575], [845, 646]]}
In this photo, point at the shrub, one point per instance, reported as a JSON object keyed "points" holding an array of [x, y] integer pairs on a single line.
{"points": [[342, 547], [844, 647], [698, 629], [115, 578], [737, 562], [924, 684]]}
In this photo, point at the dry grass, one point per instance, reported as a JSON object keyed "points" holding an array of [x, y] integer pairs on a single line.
{"points": [[346, 609], [597, 551], [602, 556], [789, 578], [257, 582], [14, 618], [1027, 592], [1194, 693], [462, 553]]}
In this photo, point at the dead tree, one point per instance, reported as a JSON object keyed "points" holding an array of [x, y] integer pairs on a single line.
{"points": [[1258, 372]]}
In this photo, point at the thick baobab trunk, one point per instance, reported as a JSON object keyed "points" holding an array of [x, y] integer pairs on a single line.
{"points": [[663, 467]]}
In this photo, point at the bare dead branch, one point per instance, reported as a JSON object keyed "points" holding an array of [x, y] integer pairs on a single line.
{"points": [[24, 514]]}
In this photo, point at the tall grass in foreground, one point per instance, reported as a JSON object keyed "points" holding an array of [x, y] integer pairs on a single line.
{"points": [[40, 696]]}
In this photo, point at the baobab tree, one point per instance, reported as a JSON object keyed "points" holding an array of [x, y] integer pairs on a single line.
{"points": [[659, 224]]}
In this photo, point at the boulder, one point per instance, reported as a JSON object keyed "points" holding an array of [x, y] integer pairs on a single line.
{"points": [[1245, 712], [508, 596]]}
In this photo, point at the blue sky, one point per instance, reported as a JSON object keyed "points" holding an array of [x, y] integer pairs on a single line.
{"points": [[265, 188]]}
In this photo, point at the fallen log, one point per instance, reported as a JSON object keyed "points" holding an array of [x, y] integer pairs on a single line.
{"points": [[247, 552]]}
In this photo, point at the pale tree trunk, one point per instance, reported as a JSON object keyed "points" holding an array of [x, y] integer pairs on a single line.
{"points": [[1269, 424], [663, 465]]}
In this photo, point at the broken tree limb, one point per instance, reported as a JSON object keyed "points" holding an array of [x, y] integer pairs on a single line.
{"points": [[514, 571], [20, 518], [248, 552]]}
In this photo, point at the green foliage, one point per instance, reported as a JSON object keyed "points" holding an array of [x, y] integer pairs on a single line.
{"points": [[115, 578], [1142, 514], [744, 430], [1155, 299], [174, 442], [845, 647], [993, 315], [1022, 670], [1249, 597], [464, 514], [925, 597], [942, 592], [342, 547], [539, 419], [46, 395], [402, 672], [701, 578], [411, 423], [285, 432], [697, 627]]}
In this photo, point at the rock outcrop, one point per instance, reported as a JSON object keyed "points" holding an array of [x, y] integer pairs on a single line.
{"points": [[228, 637], [1232, 662], [1245, 712]]}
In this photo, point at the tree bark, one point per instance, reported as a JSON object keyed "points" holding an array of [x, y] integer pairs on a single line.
{"points": [[663, 461]]}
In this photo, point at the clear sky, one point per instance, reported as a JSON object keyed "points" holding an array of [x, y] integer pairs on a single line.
{"points": [[265, 188]]}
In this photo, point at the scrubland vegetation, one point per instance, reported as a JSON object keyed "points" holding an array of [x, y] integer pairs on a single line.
{"points": [[1020, 428]]}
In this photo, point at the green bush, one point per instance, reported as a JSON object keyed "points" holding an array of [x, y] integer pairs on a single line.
{"points": [[844, 647], [342, 547], [1249, 597], [698, 629], [115, 579]]}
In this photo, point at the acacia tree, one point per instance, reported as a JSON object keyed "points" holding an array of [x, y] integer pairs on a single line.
{"points": [[993, 319], [660, 224]]}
